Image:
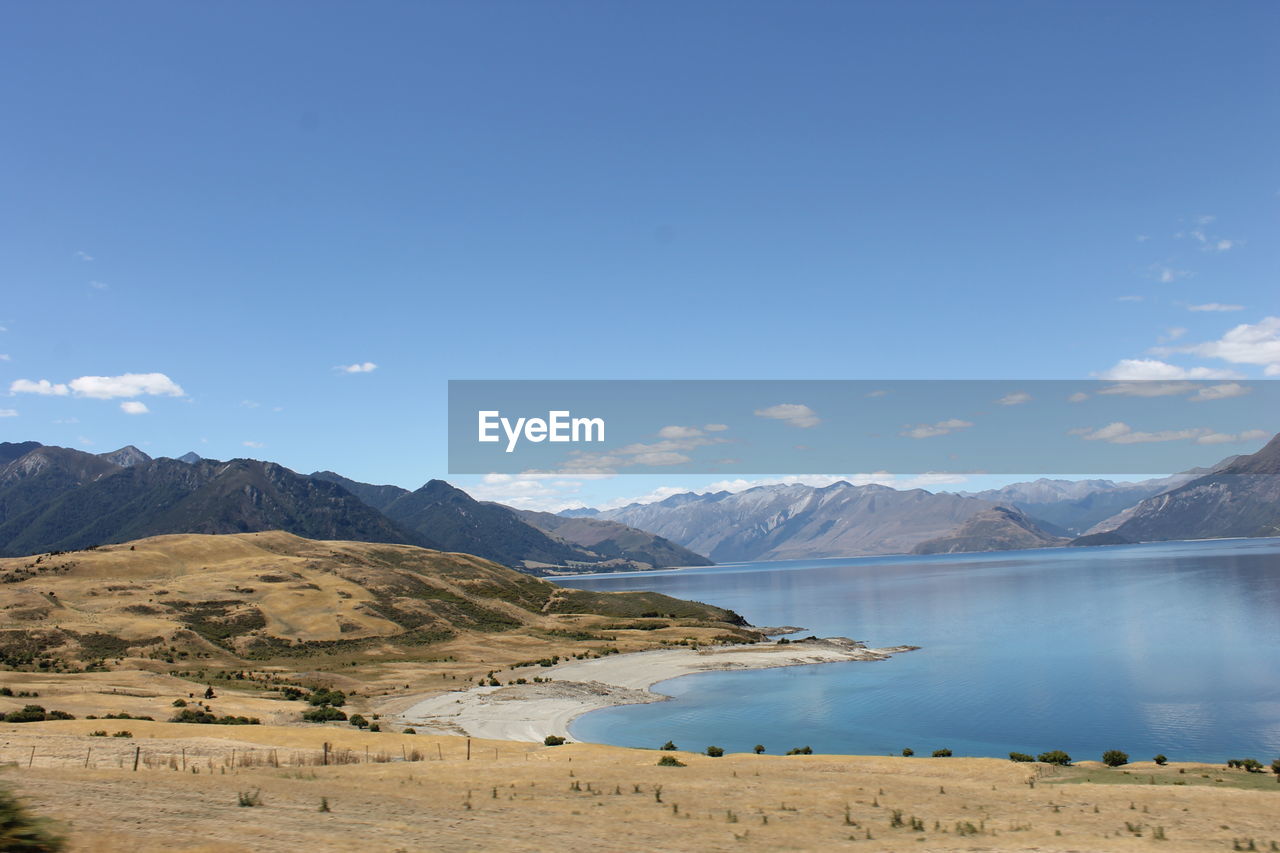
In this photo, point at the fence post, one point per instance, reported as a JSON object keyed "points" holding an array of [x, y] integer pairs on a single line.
{"points": [[326, 753], [137, 751], [86, 757], [32, 759], [468, 749]]}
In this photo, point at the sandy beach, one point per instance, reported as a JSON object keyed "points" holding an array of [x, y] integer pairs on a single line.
{"points": [[530, 712]]}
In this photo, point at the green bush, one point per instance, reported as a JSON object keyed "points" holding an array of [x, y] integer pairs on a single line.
{"points": [[715, 751], [322, 696], [942, 753], [410, 731], [1020, 756], [552, 740], [179, 703], [123, 734], [670, 761], [188, 715], [758, 748], [908, 752], [669, 746], [800, 750], [23, 832], [358, 721], [1115, 758], [1056, 756], [1161, 759], [323, 714]]}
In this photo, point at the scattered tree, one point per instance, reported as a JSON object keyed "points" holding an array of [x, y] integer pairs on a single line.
{"points": [[1115, 758], [552, 740], [715, 751]]}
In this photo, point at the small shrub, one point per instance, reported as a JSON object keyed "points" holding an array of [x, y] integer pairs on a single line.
{"points": [[758, 748], [249, 799], [358, 721], [942, 753], [1161, 759], [374, 727], [123, 734], [908, 752], [98, 733], [179, 703], [1115, 758], [670, 761], [323, 714], [336, 698], [1020, 756], [800, 750], [410, 731], [669, 746], [1055, 756], [552, 740], [324, 805], [715, 751], [293, 693]]}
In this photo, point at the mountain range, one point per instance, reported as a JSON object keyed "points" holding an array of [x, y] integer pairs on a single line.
{"points": [[57, 498]]}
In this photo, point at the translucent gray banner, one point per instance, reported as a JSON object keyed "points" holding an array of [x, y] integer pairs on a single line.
{"points": [[583, 427]]}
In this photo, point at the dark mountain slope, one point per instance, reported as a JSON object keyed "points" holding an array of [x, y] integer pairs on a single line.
{"points": [[1240, 499]]}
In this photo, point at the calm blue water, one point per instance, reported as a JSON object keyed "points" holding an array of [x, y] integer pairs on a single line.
{"points": [[1171, 647]]}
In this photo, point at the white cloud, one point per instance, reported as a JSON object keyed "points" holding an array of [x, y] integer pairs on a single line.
{"points": [[125, 385], [1130, 298], [1228, 438], [1078, 397], [1215, 306], [4, 356], [8, 413], [679, 432], [44, 387], [249, 404], [67, 421], [1017, 398], [1248, 343], [1224, 391], [254, 444], [879, 392], [358, 367], [1121, 433], [99, 285], [134, 407], [795, 414], [1172, 334], [83, 255], [931, 430], [715, 427], [102, 387], [1168, 275], [1150, 368]]}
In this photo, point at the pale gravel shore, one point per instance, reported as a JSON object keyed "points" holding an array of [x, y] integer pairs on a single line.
{"points": [[530, 712]]}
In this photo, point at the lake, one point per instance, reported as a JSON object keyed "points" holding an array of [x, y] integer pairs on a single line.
{"points": [[1167, 648]]}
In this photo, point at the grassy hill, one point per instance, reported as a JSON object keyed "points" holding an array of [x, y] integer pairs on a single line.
{"points": [[277, 599]]}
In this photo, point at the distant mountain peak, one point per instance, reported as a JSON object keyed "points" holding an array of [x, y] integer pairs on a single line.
{"points": [[190, 457], [126, 456]]}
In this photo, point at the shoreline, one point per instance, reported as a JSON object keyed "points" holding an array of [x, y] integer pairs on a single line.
{"points": [[530, 712]]}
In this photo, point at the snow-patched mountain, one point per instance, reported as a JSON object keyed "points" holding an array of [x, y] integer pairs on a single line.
{"points": [[783, 522], [1075, 506], [1000, 528]]}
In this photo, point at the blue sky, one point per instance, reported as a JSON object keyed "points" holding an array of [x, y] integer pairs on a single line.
{"points": [[247, 197]]}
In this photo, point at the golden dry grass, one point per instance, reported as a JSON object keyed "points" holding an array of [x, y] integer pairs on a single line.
{"points": [[511, 796]]}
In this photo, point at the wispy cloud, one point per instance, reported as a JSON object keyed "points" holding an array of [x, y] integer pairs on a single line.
{"points": [[1224, 391], [1151, 368], [253, 444], [4, 356], [1078, 397], [134, 407], [1130, 298], [83, 255], [1168, 275], [932, 430], [99, 285], [1215, 306], [795, 414], [8, 413], [679, 432], [1016, 398], [1119, 432], [359, 367]]}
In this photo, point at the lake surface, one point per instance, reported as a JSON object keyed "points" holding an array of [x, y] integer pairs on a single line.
{"points": [[1167, 648]]}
